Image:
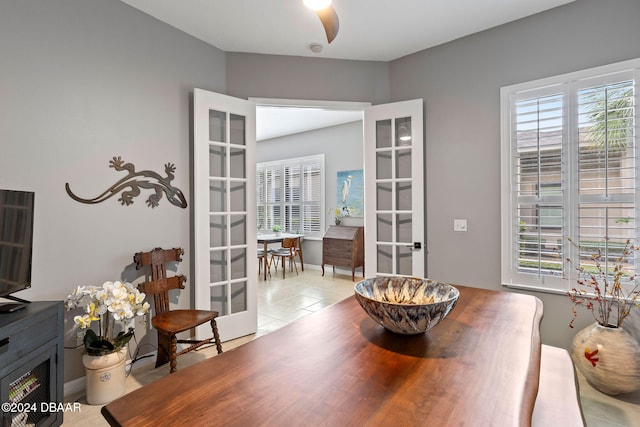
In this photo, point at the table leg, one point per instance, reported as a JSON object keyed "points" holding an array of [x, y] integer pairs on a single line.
{"points": [[266, 261], [300, 254]]}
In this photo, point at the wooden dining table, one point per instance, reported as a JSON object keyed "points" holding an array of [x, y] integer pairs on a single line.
{"points": [[267, 239], [337, 367]]}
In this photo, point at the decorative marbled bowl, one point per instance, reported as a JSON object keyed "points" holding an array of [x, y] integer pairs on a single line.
{"points": [[406, 305]]}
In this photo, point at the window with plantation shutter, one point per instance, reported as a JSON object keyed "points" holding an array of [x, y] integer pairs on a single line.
{"points": [[538, 183], [268, 192], [569, 171], [291, 194], [312, 199]]}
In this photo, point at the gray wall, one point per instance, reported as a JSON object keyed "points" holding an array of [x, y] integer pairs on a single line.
{"points": [[460, 83], [342, 146], [82, 81], [290, 77]]}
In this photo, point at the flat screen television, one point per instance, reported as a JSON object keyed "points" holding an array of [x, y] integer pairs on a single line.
{"points": [[16, 244]]}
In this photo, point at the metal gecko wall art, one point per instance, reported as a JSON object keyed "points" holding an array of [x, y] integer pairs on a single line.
{"points": [[146, 179]]}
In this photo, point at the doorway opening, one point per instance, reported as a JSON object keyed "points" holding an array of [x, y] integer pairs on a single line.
{"points": [[287, 129]]}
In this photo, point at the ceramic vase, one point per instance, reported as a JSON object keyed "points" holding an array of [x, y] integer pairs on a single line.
{"points": [[608, 357], [105, 376]]}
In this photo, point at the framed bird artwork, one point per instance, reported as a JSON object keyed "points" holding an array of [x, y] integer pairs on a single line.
{"points": [[350, 193]]}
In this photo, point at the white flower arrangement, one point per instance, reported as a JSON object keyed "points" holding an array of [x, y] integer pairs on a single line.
{"points": [[113, 302], [339, 213]]}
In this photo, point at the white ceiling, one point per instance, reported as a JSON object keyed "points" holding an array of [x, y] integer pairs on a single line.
{"points": [[376, 30], [273, 122]]}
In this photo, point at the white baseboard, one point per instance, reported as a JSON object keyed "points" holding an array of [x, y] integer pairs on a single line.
{"points": [[74, 386]]}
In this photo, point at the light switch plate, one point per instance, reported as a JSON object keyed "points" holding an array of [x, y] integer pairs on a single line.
{"points": [[459, 225]]}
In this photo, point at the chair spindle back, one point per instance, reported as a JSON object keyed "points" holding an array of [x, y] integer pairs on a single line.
{"points": [[160, 284]]}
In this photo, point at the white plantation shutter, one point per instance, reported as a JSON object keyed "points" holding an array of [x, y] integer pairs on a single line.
{"points": [[538, 158], [294, 195], [607, 166], [273, 192], [569, 171], [261, 197], [312, 202], [292, 190]]}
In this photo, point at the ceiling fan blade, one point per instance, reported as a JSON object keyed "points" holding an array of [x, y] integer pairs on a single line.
{"points": [[329, 19]]}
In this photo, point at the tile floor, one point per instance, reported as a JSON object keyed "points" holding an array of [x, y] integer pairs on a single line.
{"points": [[283, 301]]}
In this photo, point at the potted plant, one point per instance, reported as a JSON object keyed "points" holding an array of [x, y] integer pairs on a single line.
{"points": [[112, 308], [276, 229], [339, 214], [606, 354]]}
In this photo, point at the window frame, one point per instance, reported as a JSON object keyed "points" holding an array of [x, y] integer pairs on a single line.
{"points": [[303, 200], [568, 85]]}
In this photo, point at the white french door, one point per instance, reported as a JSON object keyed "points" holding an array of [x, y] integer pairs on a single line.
{"points": [[394, 189], [224, 212]]}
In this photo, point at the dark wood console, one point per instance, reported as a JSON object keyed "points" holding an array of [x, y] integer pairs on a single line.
{"points": [[343, 246], [31, 365]]}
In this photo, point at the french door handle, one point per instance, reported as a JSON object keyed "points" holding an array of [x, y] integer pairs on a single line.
{"points": [[416, 246]]}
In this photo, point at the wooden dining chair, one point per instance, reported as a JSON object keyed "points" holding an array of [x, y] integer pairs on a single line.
{"points": [[261, 258], [288, 250], [168, 323]]}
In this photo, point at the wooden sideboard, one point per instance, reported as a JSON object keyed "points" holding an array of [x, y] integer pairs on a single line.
{"points": [[343, 246]]}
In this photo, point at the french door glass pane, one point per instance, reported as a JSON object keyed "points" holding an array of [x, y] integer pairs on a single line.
{"points": [[237, 130], [238, 229], [217, 230], [404, 227], [384, 228], [403, 132], [238, 263], [238, 196], [385, 259], [383, 133], [218, 299], [404, 260], [403, 163], [403, 194], [238, 163], [383, 164], [384, 197], [217, 266], [217, 161], [217, 126], [238, 297], [217, 196]]}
